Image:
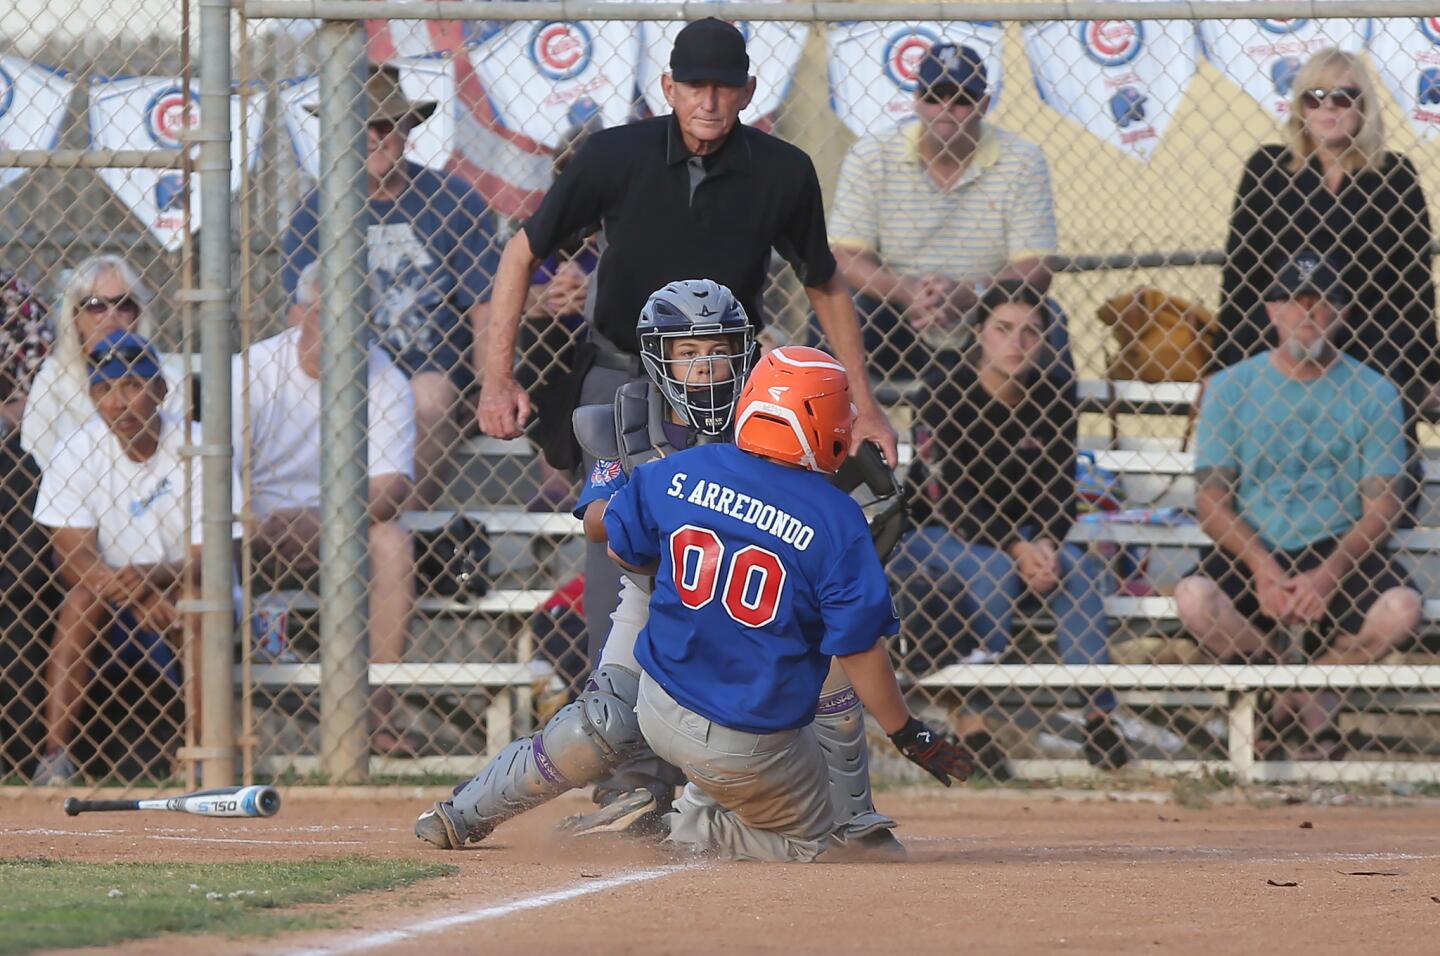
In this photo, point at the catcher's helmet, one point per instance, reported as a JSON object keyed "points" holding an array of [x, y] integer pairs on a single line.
{"points": [[796, 408], [694, 308]]}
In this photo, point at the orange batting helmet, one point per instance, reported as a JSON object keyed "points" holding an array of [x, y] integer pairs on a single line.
{"points": [[796, 408]]}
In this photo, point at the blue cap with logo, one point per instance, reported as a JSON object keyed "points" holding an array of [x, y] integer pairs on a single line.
{"points": [[949, 64], [123, 354]]}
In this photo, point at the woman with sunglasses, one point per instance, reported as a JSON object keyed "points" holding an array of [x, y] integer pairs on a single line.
{"points": [[103, 295], [1335, 189]]}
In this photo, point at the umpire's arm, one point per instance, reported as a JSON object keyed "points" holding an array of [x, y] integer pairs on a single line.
{"points": [[504, 406], [836, 311]]}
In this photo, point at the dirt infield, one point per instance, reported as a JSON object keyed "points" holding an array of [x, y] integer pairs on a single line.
{"points": [[1007, 873]]}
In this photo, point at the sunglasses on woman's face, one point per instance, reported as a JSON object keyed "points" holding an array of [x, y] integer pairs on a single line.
{"points": [[122, 304], [1341, 97]]}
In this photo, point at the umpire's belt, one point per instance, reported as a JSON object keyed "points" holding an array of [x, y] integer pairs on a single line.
{"points": [[609, 355]]}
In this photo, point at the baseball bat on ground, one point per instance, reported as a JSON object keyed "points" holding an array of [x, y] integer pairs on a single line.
{"points": [[219, 802]]}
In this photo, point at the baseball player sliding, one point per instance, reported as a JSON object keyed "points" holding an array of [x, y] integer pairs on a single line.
{"points": [[763, 570], [697, 345]]}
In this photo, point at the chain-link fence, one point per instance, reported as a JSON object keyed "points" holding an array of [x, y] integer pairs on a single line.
{"points": [[1052, 241]]}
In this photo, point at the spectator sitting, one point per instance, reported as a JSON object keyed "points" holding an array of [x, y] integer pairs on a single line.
{"points": [[1335, 189], [281, 397], [102, 295], [430, 247], [927, 215], [1298, 452], [114, 496], [27, 601], [1001, 491]]}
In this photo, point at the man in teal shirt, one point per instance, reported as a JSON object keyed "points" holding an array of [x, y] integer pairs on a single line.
{"points": [[1299, 462]]}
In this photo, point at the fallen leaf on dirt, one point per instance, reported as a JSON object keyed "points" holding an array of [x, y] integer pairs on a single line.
{"points": [[1282, 883], [1306, 825], [1370, 873], [1435, 899]]}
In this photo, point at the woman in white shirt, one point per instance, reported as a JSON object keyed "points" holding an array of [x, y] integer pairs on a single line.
{"points": [[104, 294]]}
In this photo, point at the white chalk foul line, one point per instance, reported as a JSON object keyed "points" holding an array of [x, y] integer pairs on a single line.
{"points": [[200, 839], [439, 924]]}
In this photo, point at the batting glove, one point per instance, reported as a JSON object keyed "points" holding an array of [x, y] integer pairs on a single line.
{"points": [[938, 754]]}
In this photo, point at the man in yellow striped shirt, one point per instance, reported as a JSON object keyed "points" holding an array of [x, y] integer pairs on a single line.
{"points": [[927, 215]]}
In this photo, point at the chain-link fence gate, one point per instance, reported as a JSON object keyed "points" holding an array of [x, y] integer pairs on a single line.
{"points": [[1038, 302]]}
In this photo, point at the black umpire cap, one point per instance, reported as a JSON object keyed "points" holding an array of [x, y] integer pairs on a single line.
{"points": [[710, 51]]}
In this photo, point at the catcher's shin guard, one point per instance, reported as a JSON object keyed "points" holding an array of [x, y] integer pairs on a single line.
{"points": [[580, 745], [840, 727]]}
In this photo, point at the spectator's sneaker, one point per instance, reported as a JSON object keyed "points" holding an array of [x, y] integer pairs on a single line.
{"points": [[1104, 746], [442, 826], [55, 769], [990, 760], [633, 814]]}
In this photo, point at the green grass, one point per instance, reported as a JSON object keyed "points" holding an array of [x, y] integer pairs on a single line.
{"points": [[47, 904]]}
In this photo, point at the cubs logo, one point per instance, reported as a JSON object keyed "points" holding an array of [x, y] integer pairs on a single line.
{"points": [[1427, 88], [605, 472], [903, 53], [1430, 26], [1282, 27], [1127, 106], [170, 193], [561, 49], [7, 91], [1283, 72], [1112, 42], [168, 115]]}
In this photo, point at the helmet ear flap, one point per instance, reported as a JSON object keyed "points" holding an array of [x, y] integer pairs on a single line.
{"points": [[796, 409]]}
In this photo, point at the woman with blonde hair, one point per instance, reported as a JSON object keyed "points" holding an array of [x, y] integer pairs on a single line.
{"points": [[1335, 189], [102, 294]]}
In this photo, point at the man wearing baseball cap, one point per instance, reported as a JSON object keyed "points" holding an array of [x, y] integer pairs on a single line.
{"points": [[1299, 455], [927, 215], [114, 499], [430, 244], [694, 194]]}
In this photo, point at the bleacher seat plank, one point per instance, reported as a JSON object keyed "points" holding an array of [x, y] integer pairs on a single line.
{"points": [[1159, 608], [1219, 678], [435, 674], [508, 601]]}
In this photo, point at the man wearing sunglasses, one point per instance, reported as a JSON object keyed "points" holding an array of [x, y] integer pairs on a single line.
{"points": [[114, 499], [927, 215], [431, 254]]}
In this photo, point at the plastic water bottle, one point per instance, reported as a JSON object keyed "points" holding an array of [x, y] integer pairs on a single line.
{"points": [[270, 629]]}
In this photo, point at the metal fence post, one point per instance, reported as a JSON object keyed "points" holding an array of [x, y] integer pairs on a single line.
{"points": [[217, 730], [344, 682]]}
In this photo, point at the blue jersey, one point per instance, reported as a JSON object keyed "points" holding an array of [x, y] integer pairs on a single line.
{"points": [[765, 572]]}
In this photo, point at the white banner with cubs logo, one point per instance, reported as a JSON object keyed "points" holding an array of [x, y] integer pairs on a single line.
{"points": [[1122, 80], [544, 77], [774, 49], [151, 113], [872, 67], [1263, 56], [32, 107], [422, 78], [1408, 54]]}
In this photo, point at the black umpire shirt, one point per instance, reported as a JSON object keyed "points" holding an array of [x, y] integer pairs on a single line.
{"points": [[667, 215]]}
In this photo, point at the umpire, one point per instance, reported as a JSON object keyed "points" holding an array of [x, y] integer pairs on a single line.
{"points": [[695, 194]]}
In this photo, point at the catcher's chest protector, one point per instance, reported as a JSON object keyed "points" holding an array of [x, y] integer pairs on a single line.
{"points": [[639, 425]]}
